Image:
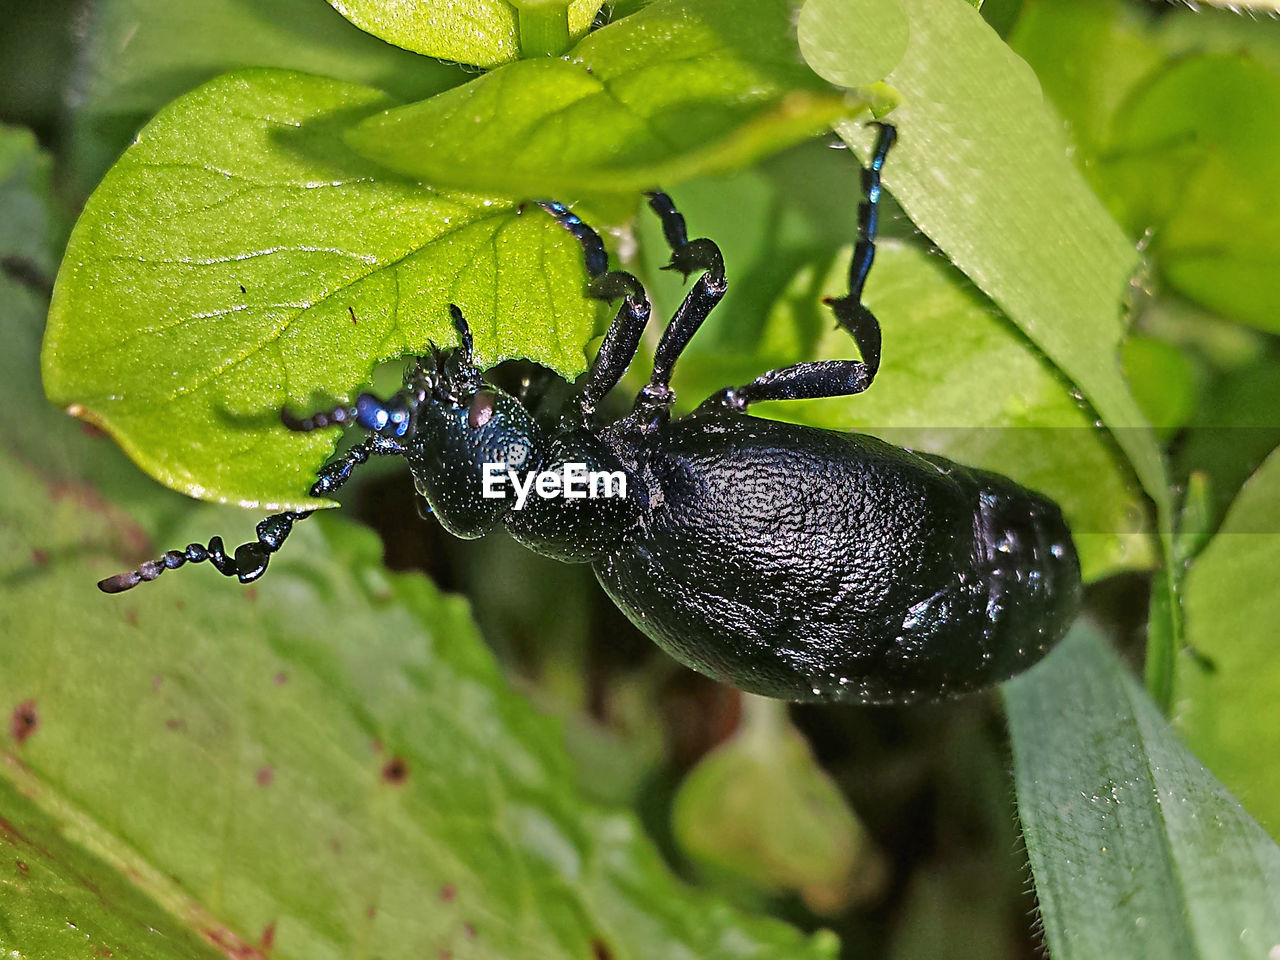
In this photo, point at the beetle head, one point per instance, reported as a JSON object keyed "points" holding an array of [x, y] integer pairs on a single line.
{"points": [[461, 423]]}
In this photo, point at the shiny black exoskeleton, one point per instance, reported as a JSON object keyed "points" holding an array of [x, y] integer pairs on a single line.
{"points": [[789, 561]]}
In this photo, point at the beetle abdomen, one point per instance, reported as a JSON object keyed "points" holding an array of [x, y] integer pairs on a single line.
{"points": [[814, 565]]}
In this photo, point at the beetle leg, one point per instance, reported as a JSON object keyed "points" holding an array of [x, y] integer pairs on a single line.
{"points": [[686, 257], [623, 337], [249, 561], [832, 378]]}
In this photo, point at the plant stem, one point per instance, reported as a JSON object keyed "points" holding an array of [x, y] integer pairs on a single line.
{"points": [[544, 27]]}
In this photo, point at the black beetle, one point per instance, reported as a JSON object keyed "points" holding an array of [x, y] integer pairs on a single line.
{"points": [[792, 562]]}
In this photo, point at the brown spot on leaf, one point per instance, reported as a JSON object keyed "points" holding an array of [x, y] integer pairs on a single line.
{"points": [[354, 322], [371, 911], [280, 679], [251, 594], [445, 954], [395, 771], [268, 938], [176, 723], [91, 429], [39, 558], [448, 893], [131, 616], [265, 776], [469, 930], [24, 721], [11, 834], [102, 952], [155, 682], [231, 945], [600, 950], [22, 866]]}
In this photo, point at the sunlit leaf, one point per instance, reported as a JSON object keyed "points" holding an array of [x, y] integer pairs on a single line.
{"points": [[678, 89], [137, 55], [482, 32], [57, 899], [825, 25], [239, 259]]}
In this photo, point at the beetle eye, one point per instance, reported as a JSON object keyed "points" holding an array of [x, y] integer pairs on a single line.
{"points": [[481, 410]]}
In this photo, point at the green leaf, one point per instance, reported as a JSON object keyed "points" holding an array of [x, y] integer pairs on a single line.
{"points": [[1174, 117], [1136, 850], [324, 764], [137, 55], [1236, 427], [482, 32], [31, 429], [678, 89], [935, 391], [1088, 55], [36, 50], [1232, 609], [59, 900], [26, 228], [980, 168], [1163, 381], [239, 259], [759, 811], [1210, 123], [329, 762], [825, 25], [1205, 30]]}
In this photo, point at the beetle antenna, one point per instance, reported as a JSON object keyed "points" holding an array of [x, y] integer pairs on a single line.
{"points": [[249, 561]]}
